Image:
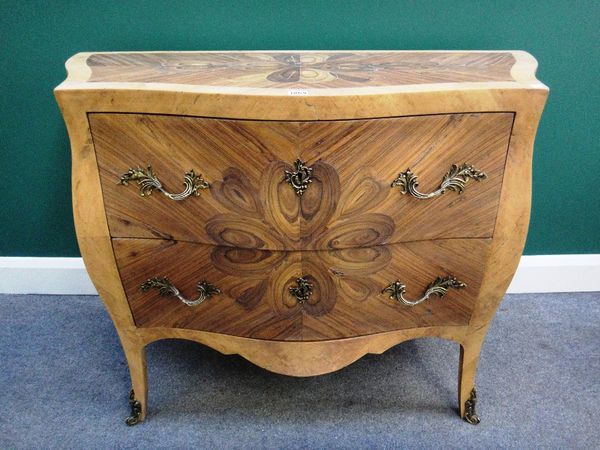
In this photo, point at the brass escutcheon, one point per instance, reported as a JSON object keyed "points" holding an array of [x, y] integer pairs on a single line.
{"points": [[302, 291], [300, 178]]}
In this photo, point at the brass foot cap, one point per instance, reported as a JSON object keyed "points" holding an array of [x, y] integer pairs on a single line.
{"points": [[136, 410]]}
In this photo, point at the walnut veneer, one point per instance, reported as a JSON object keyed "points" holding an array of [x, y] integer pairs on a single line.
{"points": [[255, 300], [349, 203], [306, 208]]}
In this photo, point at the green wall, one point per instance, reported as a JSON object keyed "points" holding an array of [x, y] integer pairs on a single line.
{"points": [[37, 37]]}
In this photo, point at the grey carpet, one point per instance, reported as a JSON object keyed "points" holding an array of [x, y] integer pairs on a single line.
{"points": [[64, 383]]}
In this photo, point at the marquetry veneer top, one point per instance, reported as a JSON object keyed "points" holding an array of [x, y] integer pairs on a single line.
{"points": [[302, 72]]}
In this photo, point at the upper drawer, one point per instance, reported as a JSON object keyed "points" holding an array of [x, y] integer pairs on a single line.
{"points": [[371, 182], [404, 179], [248, 203]]}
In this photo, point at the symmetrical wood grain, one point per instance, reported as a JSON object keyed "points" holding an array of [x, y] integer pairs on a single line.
{"points": [[248, 204], [350, 202], [240, 100], [256, 302], [520, 93], [301, 69], [367, 155]]}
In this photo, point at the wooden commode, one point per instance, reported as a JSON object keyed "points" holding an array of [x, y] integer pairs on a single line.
{"points": [[301, 209]]}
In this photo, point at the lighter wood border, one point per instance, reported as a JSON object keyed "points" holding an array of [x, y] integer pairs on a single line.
{"points": [[522, 71], [275, 104]]}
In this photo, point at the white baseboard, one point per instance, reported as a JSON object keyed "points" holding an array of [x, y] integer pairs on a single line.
{"points": [[557, 273], [67, 276], [64, 276]]}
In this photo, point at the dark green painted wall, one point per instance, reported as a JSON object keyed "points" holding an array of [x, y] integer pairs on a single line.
{"points": [[37, 37]]}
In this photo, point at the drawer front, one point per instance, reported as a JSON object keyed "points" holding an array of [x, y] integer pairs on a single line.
{"points": [[301, 295], [366, 182], [247, 204], [365, 157]]}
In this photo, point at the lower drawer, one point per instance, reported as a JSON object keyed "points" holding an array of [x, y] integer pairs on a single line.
{"points": [[310, 295]]}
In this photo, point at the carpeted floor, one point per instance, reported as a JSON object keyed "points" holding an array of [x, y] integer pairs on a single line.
{"points": [[64, 383]]}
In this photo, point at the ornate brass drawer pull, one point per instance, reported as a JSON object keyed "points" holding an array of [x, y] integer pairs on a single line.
{"points": [[454, 180], [300, 178], [439, 287], [147, 181], [166, 288]]}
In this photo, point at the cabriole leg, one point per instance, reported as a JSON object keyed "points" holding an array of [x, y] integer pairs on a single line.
{"points": [[467, 394], [138, 396]]}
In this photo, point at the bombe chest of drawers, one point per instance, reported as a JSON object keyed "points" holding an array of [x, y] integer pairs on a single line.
{"points": [[301, 209]]}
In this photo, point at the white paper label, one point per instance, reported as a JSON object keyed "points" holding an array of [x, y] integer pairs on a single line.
{"points": [[297, 91]]}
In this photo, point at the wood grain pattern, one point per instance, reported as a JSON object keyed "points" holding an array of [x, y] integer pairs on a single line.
{"points": [[301, 69], [510, 234], [525, 96], [303, 358], [248, 205], [244, 102], [347, 300], [368, 155], [349, 203]]}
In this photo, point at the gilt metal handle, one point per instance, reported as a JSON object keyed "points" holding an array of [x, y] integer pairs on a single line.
{"points": [[166, 288], [147, 182], [454, 180], [439, 287]]}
